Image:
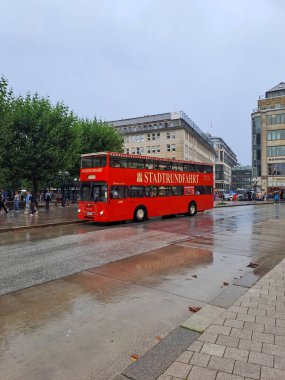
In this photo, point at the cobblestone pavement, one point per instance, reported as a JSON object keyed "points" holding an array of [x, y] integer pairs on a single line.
{"points": [[247, 341]]}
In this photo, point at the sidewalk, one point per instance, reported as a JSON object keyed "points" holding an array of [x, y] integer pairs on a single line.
{"points": [[52, 217], [245, 341]]}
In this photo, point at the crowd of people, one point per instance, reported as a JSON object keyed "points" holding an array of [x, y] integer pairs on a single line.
{"points": [[30, 200]]}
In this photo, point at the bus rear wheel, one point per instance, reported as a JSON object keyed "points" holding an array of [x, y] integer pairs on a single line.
{"points": [[140, 214], [192, 210]]}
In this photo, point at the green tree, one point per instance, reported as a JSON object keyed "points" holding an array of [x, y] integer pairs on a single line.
{"points": [[6, 97], [97, 136], [39, 141]]}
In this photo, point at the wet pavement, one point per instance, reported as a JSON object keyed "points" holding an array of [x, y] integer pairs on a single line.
{"points": [[128, 287]]}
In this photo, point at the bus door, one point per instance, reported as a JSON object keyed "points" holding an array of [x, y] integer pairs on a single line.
{"points": [[118, 205]]}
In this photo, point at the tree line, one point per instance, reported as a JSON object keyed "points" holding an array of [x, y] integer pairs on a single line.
{"points": [[41, 143]]}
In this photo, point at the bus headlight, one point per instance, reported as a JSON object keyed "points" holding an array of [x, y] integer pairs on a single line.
{"points": [[79, 210], [101, 212]]}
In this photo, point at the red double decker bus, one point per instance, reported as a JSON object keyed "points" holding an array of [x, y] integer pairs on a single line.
{"points": [[116, 186]]}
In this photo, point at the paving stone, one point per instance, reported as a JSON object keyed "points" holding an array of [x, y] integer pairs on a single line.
{"points": [[262, 306], [228, 376], [247, 369], [273, 349], [213, 349], [234, 323], [216, 329], [178, 369], [229, 341], [253, 326], [240, 333], [275, 330], [203, 318], [208, 337], [185, 357], [246, 317], [229, 314], [201, 360], [249, 304], [247, 344], [273, 314], [262, 359], [265, 320], [199, 373], [262, 313], [163, 377], [280, 322], [236, 354], [239, 309], [219, 321], [262, 337], [280, 340], [195, 346], [279, 362], [272, 374], [221, 364]]}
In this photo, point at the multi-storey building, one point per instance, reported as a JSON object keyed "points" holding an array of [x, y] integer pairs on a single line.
{"points": [[168, 135], [224, 162], [268, 140], [241, 177]]}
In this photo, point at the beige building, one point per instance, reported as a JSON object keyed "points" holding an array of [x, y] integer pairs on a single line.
{"points": [[268, 140], [168, 135]]}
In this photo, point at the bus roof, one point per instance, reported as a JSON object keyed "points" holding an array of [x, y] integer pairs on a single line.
{"points": [[125, 155]]}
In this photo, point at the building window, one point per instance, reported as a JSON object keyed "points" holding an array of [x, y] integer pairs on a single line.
{"points": [[133, 150], [148, 137], [126, 139], [127, 150], [173, 149], [153, 149], [275, 151], [173, 135], [168, 148], [276, 119], [157, 148], [276, 135], [168, 135], [148, 149]]}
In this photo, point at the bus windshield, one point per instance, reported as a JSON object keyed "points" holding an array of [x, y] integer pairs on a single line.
{"points": [[93, 161], [93, 191]]}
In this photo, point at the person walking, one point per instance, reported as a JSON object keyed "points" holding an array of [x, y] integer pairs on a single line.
{"points": [[2, 203], [27, 201], [276, 197], [47, 199], [16, 201]]}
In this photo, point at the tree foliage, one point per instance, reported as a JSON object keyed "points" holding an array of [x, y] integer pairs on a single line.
{"points": [[39, 140]]}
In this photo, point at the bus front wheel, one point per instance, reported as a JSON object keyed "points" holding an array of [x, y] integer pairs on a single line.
{"points": [[192, 209], [140, 214]]}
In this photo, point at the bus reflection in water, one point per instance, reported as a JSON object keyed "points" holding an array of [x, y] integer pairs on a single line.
{"points": [[116, 186]]}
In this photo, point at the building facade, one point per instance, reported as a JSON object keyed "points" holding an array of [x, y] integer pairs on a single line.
{"points": [[167, 135], [225, 160], [241, 178], [268, 140]]}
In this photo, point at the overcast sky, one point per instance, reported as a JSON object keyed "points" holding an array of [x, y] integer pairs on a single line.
{"points": [[118, 59]]}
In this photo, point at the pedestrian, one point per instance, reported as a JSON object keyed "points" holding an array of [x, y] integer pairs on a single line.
{"points": [[276, 197], [33, 205], [47, 199], [2, 203], [27, 201], [16, 201], [265, 197]]}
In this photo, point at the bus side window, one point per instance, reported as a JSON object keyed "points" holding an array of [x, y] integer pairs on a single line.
{"points": [[118, 162], [151, 191], [164, 191], [118, 192], [177, 190], [136, 191]]}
